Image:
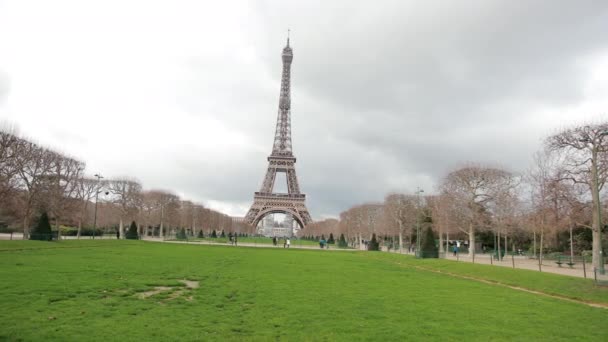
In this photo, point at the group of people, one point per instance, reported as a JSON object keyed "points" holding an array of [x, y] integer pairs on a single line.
{"points": [[232, 239], [286, 242]]}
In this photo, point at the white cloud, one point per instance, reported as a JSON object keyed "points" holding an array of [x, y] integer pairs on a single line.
{"points": [[183, 94]]}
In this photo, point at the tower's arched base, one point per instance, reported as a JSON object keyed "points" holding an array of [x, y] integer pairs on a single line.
{"points": [[268, 203]]}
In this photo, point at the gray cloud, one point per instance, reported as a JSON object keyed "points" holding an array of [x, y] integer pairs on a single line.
{"points": [[386, 96], [410, 92]]}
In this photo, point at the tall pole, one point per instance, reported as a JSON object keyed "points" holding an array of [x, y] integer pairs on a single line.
{"points": [[418, 242], [97, 191]]}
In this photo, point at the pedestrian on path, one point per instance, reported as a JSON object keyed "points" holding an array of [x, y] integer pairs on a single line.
{"points": [[288, 243], [455, 250]]}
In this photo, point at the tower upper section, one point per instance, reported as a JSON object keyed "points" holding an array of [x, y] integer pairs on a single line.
{"points": [[282, 136]]}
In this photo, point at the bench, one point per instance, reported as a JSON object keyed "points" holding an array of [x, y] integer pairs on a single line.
{"points": [[559, 263]]}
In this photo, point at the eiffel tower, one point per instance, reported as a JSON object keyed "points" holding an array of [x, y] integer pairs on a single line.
{"points": [[281, 159]]}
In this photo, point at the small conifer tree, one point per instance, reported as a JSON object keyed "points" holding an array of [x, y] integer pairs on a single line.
{"points": [[342, 242], [223, 235], [213, 234], [182, 234], [132, 232], [428, 248], [373, 245], [42, 231], [200, 234], [331, 239]]}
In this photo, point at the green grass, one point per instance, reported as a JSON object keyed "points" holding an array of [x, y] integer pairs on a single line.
{"points": [[90, 290], [263, 241]]}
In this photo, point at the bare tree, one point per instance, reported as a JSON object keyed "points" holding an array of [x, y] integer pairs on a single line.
{"points": [[127, 196], [400, 210], [584, 155], [33, 165], [62, 186], [475, 187], [9, 143], [86, 189]]}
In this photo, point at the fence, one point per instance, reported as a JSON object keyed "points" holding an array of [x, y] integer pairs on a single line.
{"points": [[578, 266]]}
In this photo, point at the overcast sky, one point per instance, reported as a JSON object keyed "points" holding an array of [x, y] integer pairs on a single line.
{"points": [[386, 95]]}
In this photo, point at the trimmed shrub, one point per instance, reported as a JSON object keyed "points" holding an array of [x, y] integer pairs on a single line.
{"points": [[42, 231], [373, 245], [342, 242], [200, 234], [213, 234], [331, 239], [428, 248], [181, 234], [131, 233]]}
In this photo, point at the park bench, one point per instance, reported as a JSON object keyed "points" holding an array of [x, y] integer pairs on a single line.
{"points": [[559, 263]]}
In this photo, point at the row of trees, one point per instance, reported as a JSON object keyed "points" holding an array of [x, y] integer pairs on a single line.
{"points": [[34, 179], [548, 205]]}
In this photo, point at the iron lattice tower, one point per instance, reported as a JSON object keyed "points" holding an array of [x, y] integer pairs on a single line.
{"points": [[281, 160]]}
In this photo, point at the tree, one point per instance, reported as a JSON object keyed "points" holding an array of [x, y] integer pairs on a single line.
{"points": [[42, 231], [223, 235], [181, 234], [428, 248], [342, 242], [373, 244], [132, 232], [401, 210], [200, 234], [213, 234], [127, 196], [331, 239], [86, 189], [584, 158], [475, 187], [33, 164]]}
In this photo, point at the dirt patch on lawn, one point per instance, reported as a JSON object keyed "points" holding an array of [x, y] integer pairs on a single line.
{"points": [[157, 290], [184, 290]]}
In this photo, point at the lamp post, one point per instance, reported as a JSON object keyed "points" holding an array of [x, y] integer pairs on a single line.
{"points": [[418, 244], [97, 191]]}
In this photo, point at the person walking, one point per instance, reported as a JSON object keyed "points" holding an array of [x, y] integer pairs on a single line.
{"points": [[288, 242], [455, 250]]}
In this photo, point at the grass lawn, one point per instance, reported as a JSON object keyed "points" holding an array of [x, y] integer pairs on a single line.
{"points": [[131, 290], [263, 241]]}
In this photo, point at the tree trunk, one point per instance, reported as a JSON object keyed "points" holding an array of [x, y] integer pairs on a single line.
{"points": [[400, 237], [571, 245], [441, 239], [447, 243], [506, 245], [540, 252], [597, 246], [597, 220], [121, 230], [498, 246], [161, 232], [26, 228], [471, 241], [534, 246], [79, 229]]}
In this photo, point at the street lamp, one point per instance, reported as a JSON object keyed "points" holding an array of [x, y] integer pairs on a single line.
{"points": [[97, 191], [418, 244]]}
